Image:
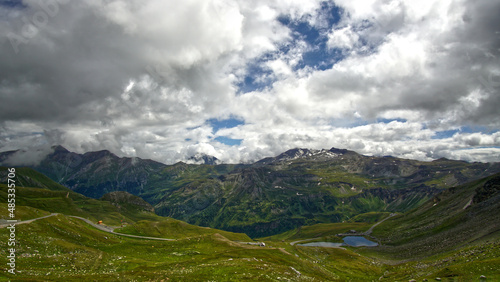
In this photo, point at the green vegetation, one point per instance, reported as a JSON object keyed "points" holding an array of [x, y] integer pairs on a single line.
{"points": [[176, 229], [22, 212], [280, 194], [59, 247], [27, 177], [451, 218], [342, 183], [370, 217], [299, 187], [463, 264], [321, 231], [70, 203], [454, 236]]}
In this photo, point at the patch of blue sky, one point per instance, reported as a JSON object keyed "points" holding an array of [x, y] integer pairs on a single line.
{"points": [[8, 6], [226, 123], [258, 76], [301, 29], [385, 120], [465, 129], [355, 122], [348, 122], [328, 16], [228, 141], [320, 58], [445, 134], [478, 147], [317, 56], [257, 79], [478, 129], [12, 3]]}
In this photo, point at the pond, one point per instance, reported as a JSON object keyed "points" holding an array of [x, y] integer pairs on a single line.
{"points": [[358, 241], [353, 241], [322, 244]]}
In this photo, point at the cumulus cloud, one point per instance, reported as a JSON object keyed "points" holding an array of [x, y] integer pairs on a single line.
{"points": [[141, 78], [343, 38]]}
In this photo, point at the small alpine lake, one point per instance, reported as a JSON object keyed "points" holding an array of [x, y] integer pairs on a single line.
{"points": [[353, 241], [358, 241], [322, 244]]}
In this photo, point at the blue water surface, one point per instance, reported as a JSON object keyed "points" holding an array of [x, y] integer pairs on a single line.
{"points": [[353, 241]]}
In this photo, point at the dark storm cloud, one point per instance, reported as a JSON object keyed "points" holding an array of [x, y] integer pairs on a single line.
{"points": [[83, 57]]}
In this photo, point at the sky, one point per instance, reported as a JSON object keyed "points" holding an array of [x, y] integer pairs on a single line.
{"points": [[243, 80]]}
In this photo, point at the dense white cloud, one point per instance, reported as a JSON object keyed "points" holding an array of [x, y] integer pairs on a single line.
{"points": [[141, 78], [343, 38]]}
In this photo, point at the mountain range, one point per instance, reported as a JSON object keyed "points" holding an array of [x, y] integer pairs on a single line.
{"points": [[273, 195], [452, 236]]}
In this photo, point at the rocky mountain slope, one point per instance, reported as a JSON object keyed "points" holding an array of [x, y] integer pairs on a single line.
{"points": [[298, 187], [201, 158], [303, 187], [460, 216], [95, 173]]}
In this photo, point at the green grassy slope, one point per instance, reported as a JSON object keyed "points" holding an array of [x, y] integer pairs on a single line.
{"points": [[50, 197], [272, 197], [27, 177], [63, 248], [457, 217], [175, 229], [277, 194], [69, 203], [454, 236], [322, 231]]}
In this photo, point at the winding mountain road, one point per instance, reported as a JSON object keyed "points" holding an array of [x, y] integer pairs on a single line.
{"points": [[8, 223], [110, 230], [98, 226]]}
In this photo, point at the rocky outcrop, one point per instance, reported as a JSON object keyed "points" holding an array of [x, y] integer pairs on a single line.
{"points": [[490, 189]]}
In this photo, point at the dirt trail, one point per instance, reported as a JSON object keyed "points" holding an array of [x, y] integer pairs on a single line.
{"points": [[369, 231], [366, 233]]}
